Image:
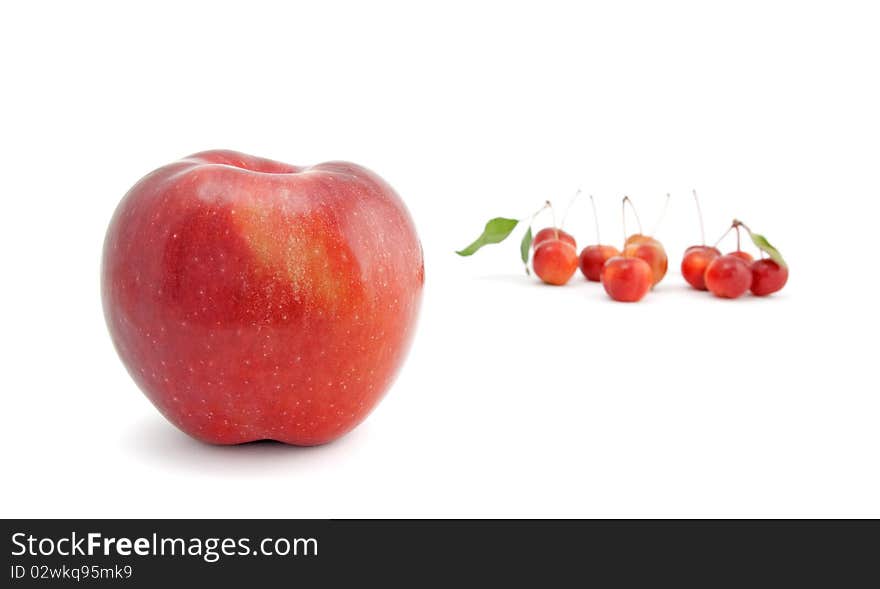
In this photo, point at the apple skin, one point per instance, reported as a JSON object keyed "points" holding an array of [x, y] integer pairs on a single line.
{"points": [[744, 256], [638, 238], [548, 233], [251, 299]]}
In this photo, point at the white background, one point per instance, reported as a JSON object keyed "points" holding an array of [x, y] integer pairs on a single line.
{"points": [[517, 399]]}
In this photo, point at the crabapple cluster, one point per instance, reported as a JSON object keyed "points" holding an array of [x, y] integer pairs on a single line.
{"points": [[628, 274]]}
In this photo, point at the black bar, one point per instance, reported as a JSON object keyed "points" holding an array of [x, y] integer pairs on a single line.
{"points": [[454, 552]]}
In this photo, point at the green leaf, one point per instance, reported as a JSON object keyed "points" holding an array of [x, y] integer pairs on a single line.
{"points": [[524, 247], [496, 231], [764, 246]]}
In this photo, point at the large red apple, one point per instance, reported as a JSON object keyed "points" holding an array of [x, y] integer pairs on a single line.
{"points": [[251, 299]]}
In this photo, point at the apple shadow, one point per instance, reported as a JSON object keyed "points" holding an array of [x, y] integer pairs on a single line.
{"points": [[594, 290], [671, 286], [688, 290], [156, 441]]}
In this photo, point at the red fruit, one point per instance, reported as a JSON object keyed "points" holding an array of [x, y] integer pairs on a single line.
{"points": [[552, 233], [627, 279], [651, 251], [768, 277], [745, 256], [728, 276], [554, 261], [251, 299], [593, 257], [694, 263]]}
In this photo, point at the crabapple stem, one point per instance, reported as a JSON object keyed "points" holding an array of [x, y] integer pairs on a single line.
{"points": [[729, 229], [538, 212], [532, 222], [595, 218], [700, 217], [662, 215], [627, 199], [568, 207], [739, 223]]}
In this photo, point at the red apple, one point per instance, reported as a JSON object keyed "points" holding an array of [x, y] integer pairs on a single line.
{"points": [[651, 251], [728, 276], [627, 279], [593, 258], [251, 299], [554, 261], [768, 277], [694, 263]]}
